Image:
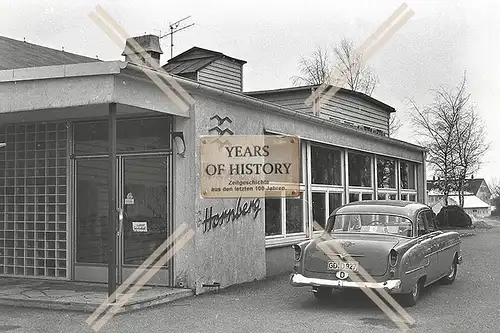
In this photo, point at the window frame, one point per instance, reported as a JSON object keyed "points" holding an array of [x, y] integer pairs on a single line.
{"points": [[310, 162], [283, 238], [348, 174]]}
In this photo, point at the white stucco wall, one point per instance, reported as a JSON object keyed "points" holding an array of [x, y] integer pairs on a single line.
{"points": [[235, 252]]}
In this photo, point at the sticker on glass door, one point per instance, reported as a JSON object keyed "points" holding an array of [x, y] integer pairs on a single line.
{"points": [[140, 226], [129, 200]]}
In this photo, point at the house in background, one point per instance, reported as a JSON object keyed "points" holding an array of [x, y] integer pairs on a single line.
{"points": [[477, 197]]}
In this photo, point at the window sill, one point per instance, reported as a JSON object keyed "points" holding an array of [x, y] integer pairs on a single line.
{"points": [[284, 241]]}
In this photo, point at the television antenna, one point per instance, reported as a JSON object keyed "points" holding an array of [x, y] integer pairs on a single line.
{"points": [[174, 28]]}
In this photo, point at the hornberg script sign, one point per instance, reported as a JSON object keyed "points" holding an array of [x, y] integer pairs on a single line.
{"points": [[249, 166]]}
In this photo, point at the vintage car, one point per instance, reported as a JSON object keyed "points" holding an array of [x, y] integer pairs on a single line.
{"points": [[386, 244]]}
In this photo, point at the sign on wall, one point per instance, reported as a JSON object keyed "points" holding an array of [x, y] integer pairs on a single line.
{"points": [[249, 166], [213, 219]]}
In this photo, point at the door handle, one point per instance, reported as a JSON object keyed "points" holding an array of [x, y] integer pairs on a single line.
{"points": [[120, 220]]}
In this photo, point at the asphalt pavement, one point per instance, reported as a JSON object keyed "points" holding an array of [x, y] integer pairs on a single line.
{"points": [[471, 304]]}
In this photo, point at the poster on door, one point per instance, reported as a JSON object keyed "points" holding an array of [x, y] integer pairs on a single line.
{"points": [[140, 226]]}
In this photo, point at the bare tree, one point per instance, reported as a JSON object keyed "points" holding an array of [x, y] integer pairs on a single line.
{"points": [[314, 70], [452, 131], [354, 73], [394, 124], [351, 72], [495, 194]]}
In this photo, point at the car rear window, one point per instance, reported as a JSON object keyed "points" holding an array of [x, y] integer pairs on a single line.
{"points": [[372, 223]]}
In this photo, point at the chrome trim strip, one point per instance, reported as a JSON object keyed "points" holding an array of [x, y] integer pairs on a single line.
{"points": [[298, 280], [415, 269], [443, 249]]}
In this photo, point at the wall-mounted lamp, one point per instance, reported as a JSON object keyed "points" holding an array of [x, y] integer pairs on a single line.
{"points": [[180, 139]]}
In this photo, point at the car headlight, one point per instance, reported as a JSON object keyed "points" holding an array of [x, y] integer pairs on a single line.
{"points": [[298, 252]]}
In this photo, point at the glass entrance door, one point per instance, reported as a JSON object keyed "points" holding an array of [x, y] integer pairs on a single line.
{"points": [[144, 198], [143, 193]]}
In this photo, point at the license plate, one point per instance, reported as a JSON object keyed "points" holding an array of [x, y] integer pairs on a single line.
{"points": [[343, 266]]}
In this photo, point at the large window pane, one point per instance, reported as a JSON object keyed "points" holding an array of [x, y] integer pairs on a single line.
{"points": [[335, 201], [407, 171], [146, 179], [92, 211], [273, 217], [318, 208], [326, 166], [132, 135], [386, 173], [294, 215], [360, 170]]}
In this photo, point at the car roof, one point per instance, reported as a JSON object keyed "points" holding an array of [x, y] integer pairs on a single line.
{"points": [[396, 207]]}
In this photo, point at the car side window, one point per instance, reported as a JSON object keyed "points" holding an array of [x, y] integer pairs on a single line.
{"points": [[421, 230], [431, 223]]}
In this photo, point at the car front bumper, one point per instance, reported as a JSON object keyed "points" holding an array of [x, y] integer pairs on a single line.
{"points": [[299, 280]]}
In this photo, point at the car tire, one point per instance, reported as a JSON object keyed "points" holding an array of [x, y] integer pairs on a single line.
{"points": [[450, 278], [411, 298], [322, 293]]}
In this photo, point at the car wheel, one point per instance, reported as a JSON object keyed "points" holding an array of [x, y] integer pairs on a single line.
{"points": [[411, 298], [322, 293], [450, 278]]}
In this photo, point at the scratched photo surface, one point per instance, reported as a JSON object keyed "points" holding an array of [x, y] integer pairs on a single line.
{"points": [[230, 166]]}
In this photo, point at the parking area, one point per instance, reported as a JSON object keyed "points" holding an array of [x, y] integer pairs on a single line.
{"points": [[470, 304]]}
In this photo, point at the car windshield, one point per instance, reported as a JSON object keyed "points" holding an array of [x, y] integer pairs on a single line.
{"points": [[372, 223]]}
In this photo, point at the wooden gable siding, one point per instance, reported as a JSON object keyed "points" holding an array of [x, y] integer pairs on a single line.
{"points": [[223, 74], [292, 100], [350, 109], [342, 107]]}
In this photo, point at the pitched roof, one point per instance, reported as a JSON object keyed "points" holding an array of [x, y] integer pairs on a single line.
{"points": [[18, 54], [193, 60], [471, 185], [471, 201], [354, 93]]}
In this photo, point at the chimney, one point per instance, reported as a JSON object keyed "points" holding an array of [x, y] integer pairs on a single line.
{"points": [[148, 45]]}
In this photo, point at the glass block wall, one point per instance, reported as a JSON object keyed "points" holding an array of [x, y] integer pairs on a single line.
{"points": [[33, 201]]}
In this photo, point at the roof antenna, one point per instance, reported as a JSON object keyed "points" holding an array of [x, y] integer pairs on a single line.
{"points": [[174, 28], [24, 38], [97, 57], [63, 48]]}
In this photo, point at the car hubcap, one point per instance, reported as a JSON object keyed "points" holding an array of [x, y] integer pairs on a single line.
{"points": [[452, 271], [415, 291]]}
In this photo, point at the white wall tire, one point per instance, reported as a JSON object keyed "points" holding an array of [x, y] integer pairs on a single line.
{"points": [[411, 298], [450, 278]]}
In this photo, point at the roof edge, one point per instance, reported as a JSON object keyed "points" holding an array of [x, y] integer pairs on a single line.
{"points": [[60, 71], [361, 95], [259, 103], [206, 50]]}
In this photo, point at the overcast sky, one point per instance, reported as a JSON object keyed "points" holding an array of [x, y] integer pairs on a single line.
{"points": [[442, 39]]}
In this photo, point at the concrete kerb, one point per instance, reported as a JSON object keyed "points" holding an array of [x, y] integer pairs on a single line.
{"points": [[86, 307]]}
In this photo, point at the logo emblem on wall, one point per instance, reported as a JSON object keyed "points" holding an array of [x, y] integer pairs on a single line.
{"points": [[221, 122]]}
